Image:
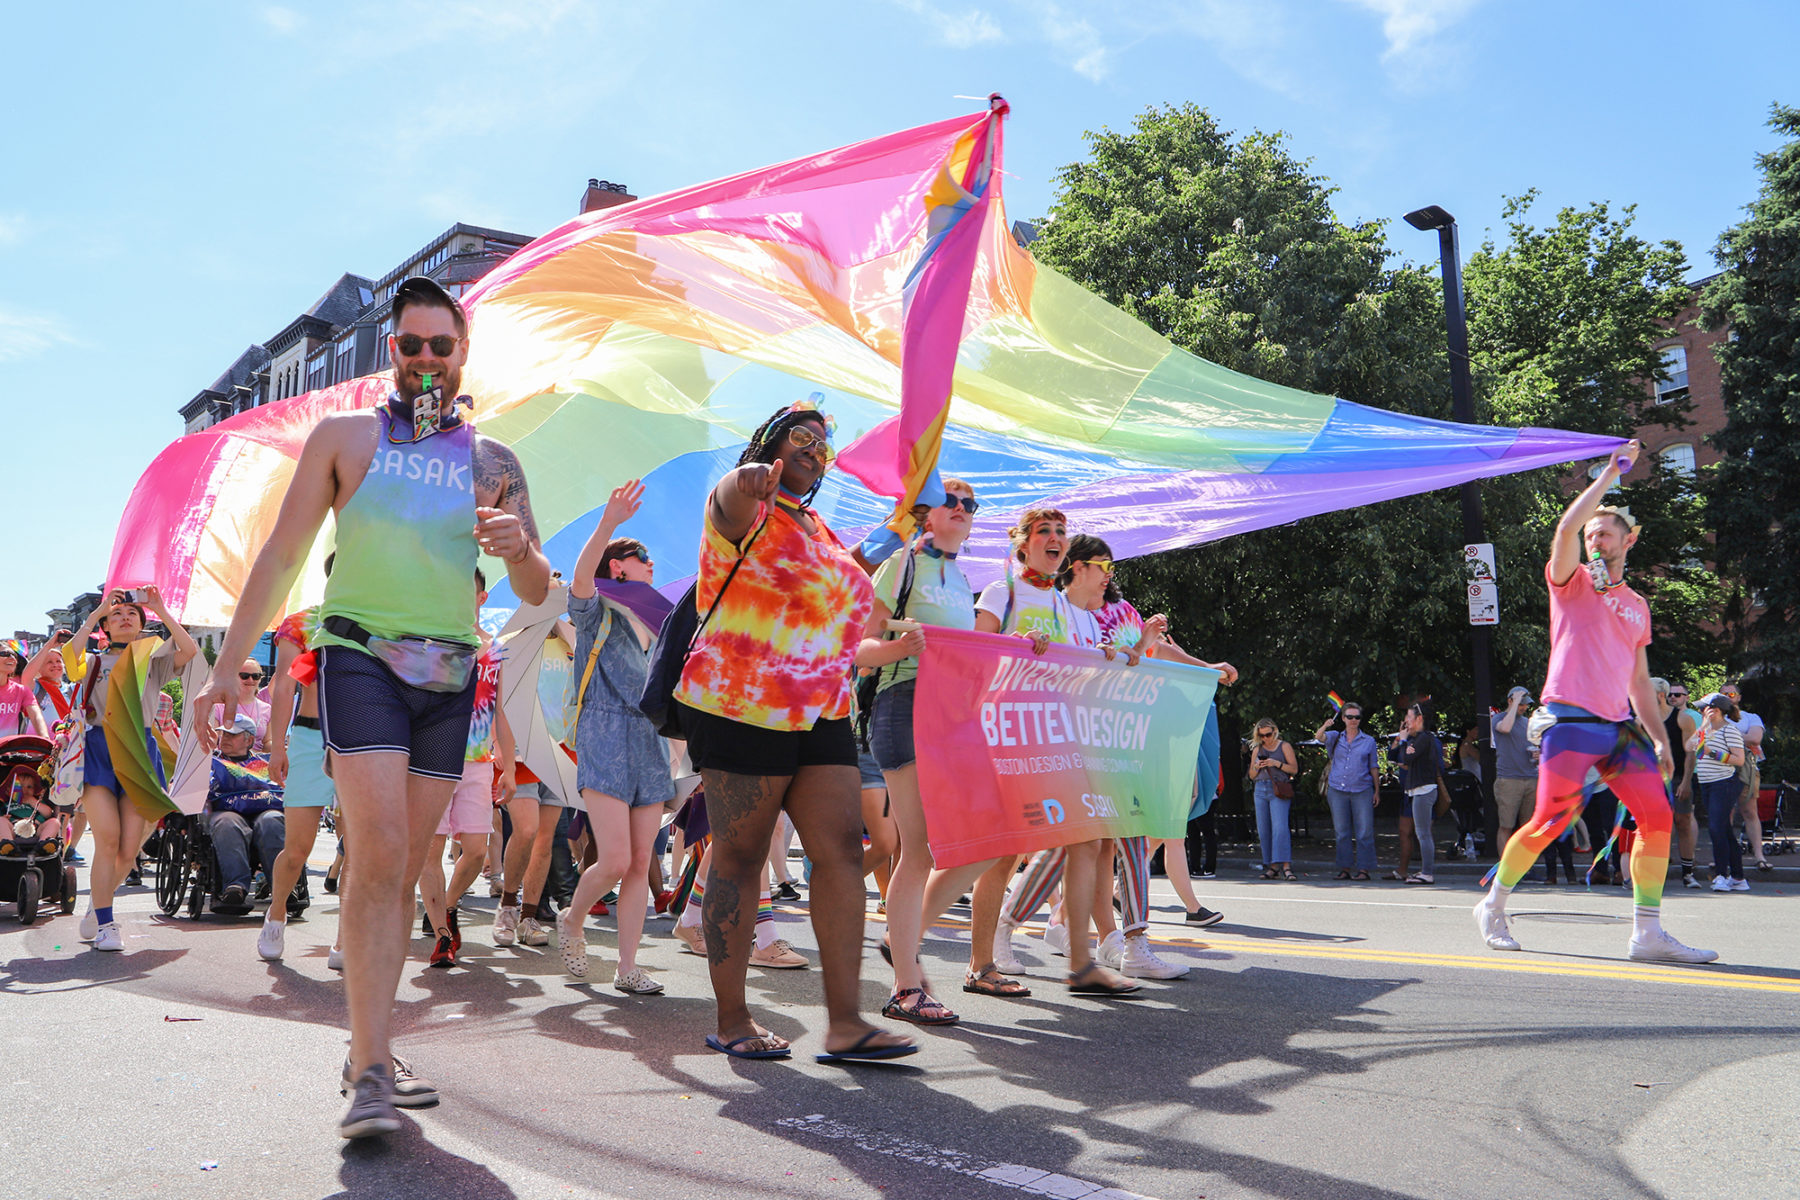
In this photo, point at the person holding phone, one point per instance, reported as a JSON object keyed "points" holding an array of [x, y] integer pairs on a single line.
{"points": [[1352, 780], [1273, 764]]}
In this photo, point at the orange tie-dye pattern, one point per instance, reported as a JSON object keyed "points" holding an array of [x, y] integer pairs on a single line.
{"points": [[777, 653]]}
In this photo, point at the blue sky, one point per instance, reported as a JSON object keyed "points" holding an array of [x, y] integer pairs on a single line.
{"points": [[181, 180]]}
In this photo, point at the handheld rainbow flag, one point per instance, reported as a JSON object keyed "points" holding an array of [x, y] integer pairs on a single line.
{"points": [[1337, 701]]}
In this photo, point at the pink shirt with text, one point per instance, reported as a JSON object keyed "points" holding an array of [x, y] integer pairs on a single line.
{"points": [[1594, 642]]}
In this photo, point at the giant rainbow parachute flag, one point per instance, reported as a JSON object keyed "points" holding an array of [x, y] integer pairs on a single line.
{"points": [[649, 340]]}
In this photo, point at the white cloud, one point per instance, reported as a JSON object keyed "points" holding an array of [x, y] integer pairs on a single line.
{"points": [[1251, 37], [25, 334], [1417, 53], [1076, 42], [284, 21], [958, 30]]}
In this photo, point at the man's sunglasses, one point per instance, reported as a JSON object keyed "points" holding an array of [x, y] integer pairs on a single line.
{"points": [[409, 344], [1352, 716], [1678, 695], [1105, 564], [249, 674], [969, 504], [806, 439]]}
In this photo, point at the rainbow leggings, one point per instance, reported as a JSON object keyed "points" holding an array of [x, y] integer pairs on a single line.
{"points": [[1628, 766]]}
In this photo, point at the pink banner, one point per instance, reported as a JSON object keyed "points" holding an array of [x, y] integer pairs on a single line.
{"points": [[1018, 751]]}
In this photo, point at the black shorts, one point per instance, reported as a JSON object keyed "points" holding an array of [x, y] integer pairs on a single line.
{"points": [[720, 744], [364, 708]]}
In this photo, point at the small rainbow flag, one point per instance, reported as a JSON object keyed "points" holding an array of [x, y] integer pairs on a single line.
{"points": [[1337, 701]]}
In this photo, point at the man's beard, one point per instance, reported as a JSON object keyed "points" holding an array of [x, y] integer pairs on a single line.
{"points": [[450, 380]]}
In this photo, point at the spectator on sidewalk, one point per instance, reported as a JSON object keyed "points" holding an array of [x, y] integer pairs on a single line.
{"points": [[1719, 750], [1421, 759], [1515, 764], [1352, 780], [1750, 773], [1680, 724]]}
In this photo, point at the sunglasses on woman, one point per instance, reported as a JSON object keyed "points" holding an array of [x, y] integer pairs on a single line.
{"points": [[806, 439], [641, 554], [1105, 564], [249, 675], [409, 344], [969, 504]]}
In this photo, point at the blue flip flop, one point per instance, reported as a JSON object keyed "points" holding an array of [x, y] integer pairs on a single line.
{"points": [[863, 1052], [731, 1047]]}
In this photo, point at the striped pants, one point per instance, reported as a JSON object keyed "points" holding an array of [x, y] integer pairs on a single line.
{"points": [[1031, 890]]}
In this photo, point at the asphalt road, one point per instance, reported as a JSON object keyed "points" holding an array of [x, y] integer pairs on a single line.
{"points": [[1333, 1040]]}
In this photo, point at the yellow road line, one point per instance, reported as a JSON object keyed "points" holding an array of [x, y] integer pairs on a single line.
{"points": [[1626, 971]]}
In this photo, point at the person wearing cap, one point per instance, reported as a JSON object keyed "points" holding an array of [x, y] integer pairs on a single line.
{"points": [[1718, 750], [1515, 763], [1597, 687], [249, 683], [242, 806], [418, 495]]}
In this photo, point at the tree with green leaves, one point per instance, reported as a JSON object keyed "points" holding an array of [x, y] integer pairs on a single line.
{"points": [[1755, 490], [1229, 246]]}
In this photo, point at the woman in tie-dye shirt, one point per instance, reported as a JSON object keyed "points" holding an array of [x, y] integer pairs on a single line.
{"points": [[766, 707]]}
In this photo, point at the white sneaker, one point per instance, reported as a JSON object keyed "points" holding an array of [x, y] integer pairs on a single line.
{"points": [[1141, 962], [90, 925], [1661, 947], [1005, 961], [1492, 923], [1721, 883], [1056, 940], [110, 937], [1110, 952], [1688, 880], [506, 925], [269, 941], [533, 934], [335, 958], [1740, 885]]}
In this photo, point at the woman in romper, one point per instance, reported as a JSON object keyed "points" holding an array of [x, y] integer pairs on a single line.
{"points": [[622, 766]]}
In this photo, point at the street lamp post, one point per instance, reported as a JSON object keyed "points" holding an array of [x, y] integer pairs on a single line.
{"points": [[1462, 401]]}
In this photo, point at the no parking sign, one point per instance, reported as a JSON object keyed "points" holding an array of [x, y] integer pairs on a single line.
{"points": [[1484, 592]]}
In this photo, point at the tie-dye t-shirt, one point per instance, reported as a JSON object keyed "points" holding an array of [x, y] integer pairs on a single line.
{"points": [[778, 652], [297, 628], [1120, 624], [487, 698]]}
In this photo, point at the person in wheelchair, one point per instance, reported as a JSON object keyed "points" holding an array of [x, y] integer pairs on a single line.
{"points": [[242, 807]]}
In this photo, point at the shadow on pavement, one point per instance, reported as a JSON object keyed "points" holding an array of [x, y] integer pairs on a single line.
{"points": [[406, 1165]]}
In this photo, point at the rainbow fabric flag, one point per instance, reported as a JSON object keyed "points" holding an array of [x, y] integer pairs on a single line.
{"points": [[128, 738], [650, 339], [1337, 701]]}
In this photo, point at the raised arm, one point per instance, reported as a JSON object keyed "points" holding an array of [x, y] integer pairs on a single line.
{"points": [[507, 530], [1565, 550], [620, 508], [740, 495], [185, 645]]}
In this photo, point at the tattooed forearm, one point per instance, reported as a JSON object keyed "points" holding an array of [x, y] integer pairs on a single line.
{"points": [[500, 483]]}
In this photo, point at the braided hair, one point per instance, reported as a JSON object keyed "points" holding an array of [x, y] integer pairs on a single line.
{"points": [[767, 439]]}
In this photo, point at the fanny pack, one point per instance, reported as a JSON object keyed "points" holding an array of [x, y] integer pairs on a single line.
{"points": [[426, 663], [1543, 719]]}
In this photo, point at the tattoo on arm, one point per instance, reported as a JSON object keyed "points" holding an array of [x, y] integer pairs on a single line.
{"points": [[498, 474]]}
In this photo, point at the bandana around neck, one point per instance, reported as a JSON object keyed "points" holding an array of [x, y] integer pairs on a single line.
{"points": [[1037, 579]]}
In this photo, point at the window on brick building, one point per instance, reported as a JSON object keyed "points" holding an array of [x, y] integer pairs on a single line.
{"points": [[1674, 365], [1679, 457]]}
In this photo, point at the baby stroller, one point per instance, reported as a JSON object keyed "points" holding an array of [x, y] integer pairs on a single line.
{"points": [[1466, 806], [32, 876]]}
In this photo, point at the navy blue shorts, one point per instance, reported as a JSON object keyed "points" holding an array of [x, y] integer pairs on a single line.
{"points": [[97, 766], [364, 708]]}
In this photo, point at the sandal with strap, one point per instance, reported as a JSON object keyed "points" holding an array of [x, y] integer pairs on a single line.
{"points": [[990, 982], [926, 1010], [1342, 875], [1268, 873], [1361, 877], [1084, 983], [1287, 873]]}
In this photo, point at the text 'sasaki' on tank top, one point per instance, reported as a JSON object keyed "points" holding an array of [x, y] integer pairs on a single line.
{"points": [[406, 548]]}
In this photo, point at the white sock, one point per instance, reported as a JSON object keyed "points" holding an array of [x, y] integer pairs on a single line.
{"points": [[765, 934], [1497, 894], [1646, 920], [690, 915]]}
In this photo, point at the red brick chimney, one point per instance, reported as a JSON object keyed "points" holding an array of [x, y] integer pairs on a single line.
{"points": [[601, 194]]}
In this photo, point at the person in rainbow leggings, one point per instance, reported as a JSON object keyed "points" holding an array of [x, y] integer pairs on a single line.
{"points": [[1598, 676]]}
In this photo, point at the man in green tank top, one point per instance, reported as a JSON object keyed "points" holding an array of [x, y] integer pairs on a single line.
{"points": [[413, 501]]}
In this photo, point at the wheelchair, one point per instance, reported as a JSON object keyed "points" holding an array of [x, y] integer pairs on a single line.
{"points": [[188, 876]]}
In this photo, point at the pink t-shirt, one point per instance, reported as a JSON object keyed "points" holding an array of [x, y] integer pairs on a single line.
{"points": [[1594, 641], [14, 696]]}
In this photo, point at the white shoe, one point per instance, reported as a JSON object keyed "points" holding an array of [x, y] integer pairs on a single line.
{"points": [[1140, 961], [533, 934], [269, 941], [1688, 880], [90, 925], [1492, 923], [1056, 940], [506, 925], [335, 958], [1111, 951], [1740, 885], [110, 937], [1005, 961], [573, 945], [1661, 947], [1721, 883]]}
